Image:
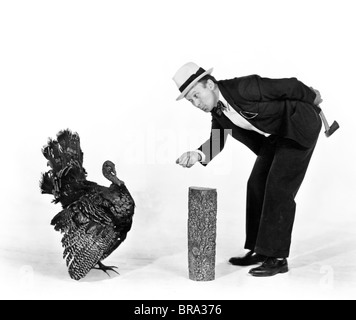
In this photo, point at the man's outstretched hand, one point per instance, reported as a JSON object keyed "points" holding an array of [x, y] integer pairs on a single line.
{"points": [[189, 159]]}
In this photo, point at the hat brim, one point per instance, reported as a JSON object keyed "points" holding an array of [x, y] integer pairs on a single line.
{"points": [[191, 85]]}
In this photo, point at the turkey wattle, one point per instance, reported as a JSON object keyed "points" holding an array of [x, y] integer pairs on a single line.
{"points": [[95, 219]]}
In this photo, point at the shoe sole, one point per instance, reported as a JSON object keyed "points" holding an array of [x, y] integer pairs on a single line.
{"points": [[282, 271], [246, 265], [254, 263]]}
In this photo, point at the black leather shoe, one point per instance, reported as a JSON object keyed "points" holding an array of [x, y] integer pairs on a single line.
{"points": [[270, 268], [249, 260]]}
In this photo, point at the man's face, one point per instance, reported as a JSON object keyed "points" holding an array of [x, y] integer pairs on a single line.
{"points": [[203, 97]]}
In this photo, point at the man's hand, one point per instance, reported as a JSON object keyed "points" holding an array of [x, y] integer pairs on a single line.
{"points": [[318, 99], [189, 159]]}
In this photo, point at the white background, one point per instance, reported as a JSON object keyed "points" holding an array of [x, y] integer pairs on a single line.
{"points": [[104, 69]]}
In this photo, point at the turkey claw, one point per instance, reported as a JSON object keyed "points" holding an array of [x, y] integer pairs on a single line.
{"points": [[106, 268]]}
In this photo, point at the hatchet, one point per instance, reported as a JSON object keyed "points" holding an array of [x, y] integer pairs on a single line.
{"points": [[328, 130]]}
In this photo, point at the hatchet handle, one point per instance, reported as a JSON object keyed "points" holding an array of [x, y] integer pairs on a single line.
{"points": [[323, 118]]}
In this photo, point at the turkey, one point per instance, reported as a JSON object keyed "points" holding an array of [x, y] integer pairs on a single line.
{"points": [[95, 219]]}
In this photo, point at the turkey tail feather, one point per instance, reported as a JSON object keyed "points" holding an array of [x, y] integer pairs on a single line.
{"points": [[65, 158], [46, 183], [64, 151], [70, 144]]}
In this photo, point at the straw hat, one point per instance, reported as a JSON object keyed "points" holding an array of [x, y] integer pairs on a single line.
{"points": [[188, 76]]}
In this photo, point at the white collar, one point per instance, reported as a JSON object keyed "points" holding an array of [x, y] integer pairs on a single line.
{"points": [[223, 100]]}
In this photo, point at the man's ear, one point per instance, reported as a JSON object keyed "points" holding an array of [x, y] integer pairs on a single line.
{"points": [[210, 84]]}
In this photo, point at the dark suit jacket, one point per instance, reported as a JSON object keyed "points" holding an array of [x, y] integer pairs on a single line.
{"points": [[282, 107]]}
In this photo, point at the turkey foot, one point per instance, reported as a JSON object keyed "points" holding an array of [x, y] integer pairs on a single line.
{"points": [[106, 269]]}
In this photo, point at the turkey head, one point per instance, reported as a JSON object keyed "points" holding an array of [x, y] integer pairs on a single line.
{"points": [[109, 172]]}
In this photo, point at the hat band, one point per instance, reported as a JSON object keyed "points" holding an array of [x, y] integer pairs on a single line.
{"points": [[191, 79]]}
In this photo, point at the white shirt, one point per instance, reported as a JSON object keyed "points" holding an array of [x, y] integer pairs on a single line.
{"points": [[237, 120]]}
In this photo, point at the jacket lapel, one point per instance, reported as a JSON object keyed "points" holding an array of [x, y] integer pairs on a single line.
{"points": [[245, 114]]}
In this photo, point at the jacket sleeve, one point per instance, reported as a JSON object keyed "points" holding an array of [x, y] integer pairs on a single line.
{"points": [[284, 89], [215, 144]]}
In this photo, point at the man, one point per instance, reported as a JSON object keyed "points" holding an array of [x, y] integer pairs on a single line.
{"points": [[278, 119]]}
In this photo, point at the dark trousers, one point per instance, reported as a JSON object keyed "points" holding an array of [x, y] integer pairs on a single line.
{"points": [[273, 185]]}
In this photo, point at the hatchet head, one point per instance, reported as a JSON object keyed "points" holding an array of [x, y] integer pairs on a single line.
{"points": [[332, 129]]}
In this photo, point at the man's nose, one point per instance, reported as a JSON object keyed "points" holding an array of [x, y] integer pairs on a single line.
{"points": [[197, 104]]}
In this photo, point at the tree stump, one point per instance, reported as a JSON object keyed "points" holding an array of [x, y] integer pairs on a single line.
{"points": [[202, 233]]}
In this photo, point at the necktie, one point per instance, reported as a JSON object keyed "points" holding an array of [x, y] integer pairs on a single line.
{"points": [[220, 108]]}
